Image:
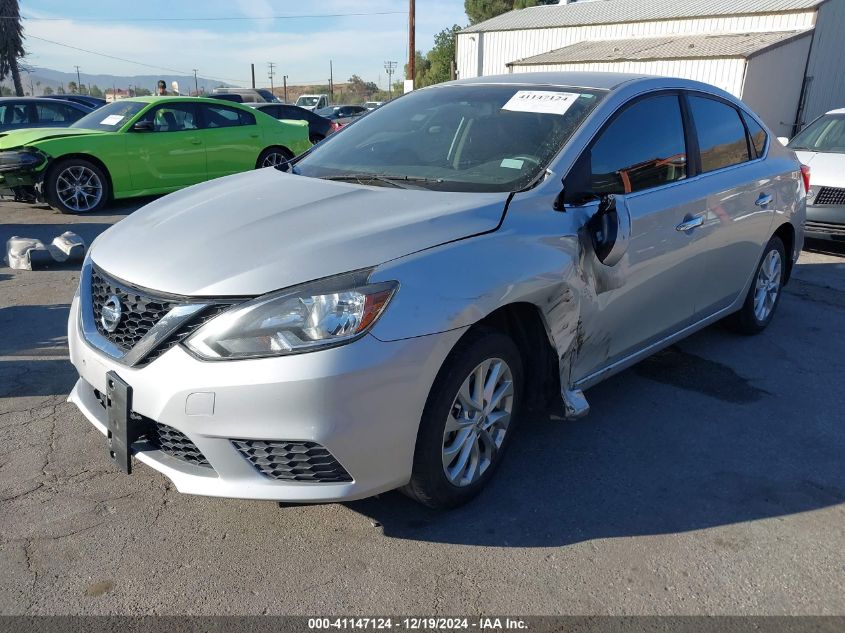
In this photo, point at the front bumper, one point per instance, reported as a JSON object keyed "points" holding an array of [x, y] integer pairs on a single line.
{"points": [[362, 402], [825, 222]]}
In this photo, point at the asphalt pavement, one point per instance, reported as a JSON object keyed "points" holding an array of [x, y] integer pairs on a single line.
{"points": [[709, 479]]}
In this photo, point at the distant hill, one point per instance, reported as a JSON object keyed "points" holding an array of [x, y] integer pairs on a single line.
{"points": [[39, 78]]}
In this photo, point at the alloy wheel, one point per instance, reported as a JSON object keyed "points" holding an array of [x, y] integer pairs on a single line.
{"points": [[478, 422], [79, 188], [767, 285], [274, 159]]}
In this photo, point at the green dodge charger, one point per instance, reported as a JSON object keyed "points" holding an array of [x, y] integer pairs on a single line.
{"points": [[144, 146]]}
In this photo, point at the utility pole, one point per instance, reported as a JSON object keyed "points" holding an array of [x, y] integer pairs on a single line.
{"points": [[196, 84], [252, 67], [78, 80], [285, 79], [331, 83], [412, 51], [390, 68], [272, 72]]}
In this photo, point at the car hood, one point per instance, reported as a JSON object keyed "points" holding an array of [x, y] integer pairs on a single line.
{"points": [[264, 230], [826, 168], [27, 136]]}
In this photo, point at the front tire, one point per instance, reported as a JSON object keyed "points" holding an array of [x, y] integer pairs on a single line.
{"points": [[468, 421], [764, 295], [76, 185]]}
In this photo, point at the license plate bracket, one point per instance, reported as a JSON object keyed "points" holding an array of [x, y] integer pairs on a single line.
{"points": [[122, 429]]}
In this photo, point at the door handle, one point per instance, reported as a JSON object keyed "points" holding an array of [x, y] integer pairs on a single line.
{"points": [[690, 224], [196, 141], [763, 200]]}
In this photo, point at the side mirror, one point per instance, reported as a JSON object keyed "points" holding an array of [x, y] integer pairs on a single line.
{"points": [[577, 185], [610, 230], [143, 126], [783, 140]]}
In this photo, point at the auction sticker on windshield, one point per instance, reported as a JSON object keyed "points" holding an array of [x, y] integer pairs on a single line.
{"points": [[112, 119], [541, 101]]}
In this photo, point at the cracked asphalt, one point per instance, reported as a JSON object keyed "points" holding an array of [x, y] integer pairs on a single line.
{"points": [[709, 479]]}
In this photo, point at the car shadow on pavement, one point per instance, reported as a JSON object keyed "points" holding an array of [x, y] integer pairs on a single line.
{"points": [[27, 378], [634, 467], [34, 330]]}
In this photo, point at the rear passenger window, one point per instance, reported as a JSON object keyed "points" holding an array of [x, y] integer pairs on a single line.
{"points": [[643, 147], [757, 135], [222, 116], [721, 134]]}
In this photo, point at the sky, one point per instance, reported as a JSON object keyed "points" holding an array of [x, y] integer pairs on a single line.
{"points": [[301, 47]]}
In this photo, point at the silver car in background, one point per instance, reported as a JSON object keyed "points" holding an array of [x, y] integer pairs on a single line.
{"points": [[382, 313]]}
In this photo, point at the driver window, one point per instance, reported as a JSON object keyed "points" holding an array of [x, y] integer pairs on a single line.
{"points": [[173, 117], [643, 147]]}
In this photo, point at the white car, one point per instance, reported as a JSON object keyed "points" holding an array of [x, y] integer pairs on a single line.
{"points": [[821, 145], [313, 102]]}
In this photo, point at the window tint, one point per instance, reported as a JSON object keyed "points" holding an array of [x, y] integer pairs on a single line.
{"points": [[57, 113], [173, 117], [643, 147], [825, 134], [757, 135], [223, 116], [14, 114], [290, 113], [721, 134]]}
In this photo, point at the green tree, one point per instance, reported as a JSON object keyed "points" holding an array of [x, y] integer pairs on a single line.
{"points": [[11, 43], [72, 88], [47, 90], [142, 92], [480, 10], [360, 90], [95, 91]]}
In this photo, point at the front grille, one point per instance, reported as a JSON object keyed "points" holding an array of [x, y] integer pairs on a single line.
{"points": [[835, 230], [292, 461], [176, 444], [140, 311], [165, 438], [830, 196]]}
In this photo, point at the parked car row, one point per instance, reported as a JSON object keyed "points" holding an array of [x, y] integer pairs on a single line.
{"points": [[381, 311], [143, 146]]}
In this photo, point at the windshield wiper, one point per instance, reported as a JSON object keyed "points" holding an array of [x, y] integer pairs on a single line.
{"points": [[390, 179]]}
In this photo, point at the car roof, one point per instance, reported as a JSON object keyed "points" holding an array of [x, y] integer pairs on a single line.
{"points": [[36, 99], [837, 111]]}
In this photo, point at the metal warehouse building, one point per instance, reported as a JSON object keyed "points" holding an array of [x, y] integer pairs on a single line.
{"points": [[785, 58]]}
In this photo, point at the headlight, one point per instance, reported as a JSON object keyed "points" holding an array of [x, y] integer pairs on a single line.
{"points": [[25, 158], [323, 314]]}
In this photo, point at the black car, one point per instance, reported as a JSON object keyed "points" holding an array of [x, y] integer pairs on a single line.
{"points": [[21, 112], [343, 114], [318, 127], [226, 96], [84, 100]]}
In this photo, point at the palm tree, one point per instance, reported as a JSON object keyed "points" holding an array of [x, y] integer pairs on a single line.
{"points": [[11, 42]]}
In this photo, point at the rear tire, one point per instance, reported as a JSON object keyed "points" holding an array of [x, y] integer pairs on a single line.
{"points": [[76, 185], [273, 157], [764, 295], [316, 138], [460, 446]]}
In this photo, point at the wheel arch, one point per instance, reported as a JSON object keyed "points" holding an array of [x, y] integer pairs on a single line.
{"points": [[786, 233], [82, 155], [275, 146]]}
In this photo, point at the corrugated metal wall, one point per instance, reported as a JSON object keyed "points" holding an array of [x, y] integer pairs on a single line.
{"points": [[501, 47], [727, 74], [773, 84], [826, 91]]}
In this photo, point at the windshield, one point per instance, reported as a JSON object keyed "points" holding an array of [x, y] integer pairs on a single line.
{"points": [[110, 117], [826, 134], [266, 94], [307, 101], [456, 138]]}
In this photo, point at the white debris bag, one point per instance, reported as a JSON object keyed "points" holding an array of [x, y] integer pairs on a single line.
{"points": [[68, 248]]}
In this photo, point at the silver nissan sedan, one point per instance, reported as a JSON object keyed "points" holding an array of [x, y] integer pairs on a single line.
{"points": [[382, 312]]}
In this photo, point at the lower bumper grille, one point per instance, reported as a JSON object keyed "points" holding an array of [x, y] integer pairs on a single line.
{"points": [[292, 461], [166, 439], [837, 230], [830, 195]]}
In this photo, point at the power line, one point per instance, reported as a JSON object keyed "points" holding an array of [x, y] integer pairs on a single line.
{"points": [[123, 59], [213, 19]]}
